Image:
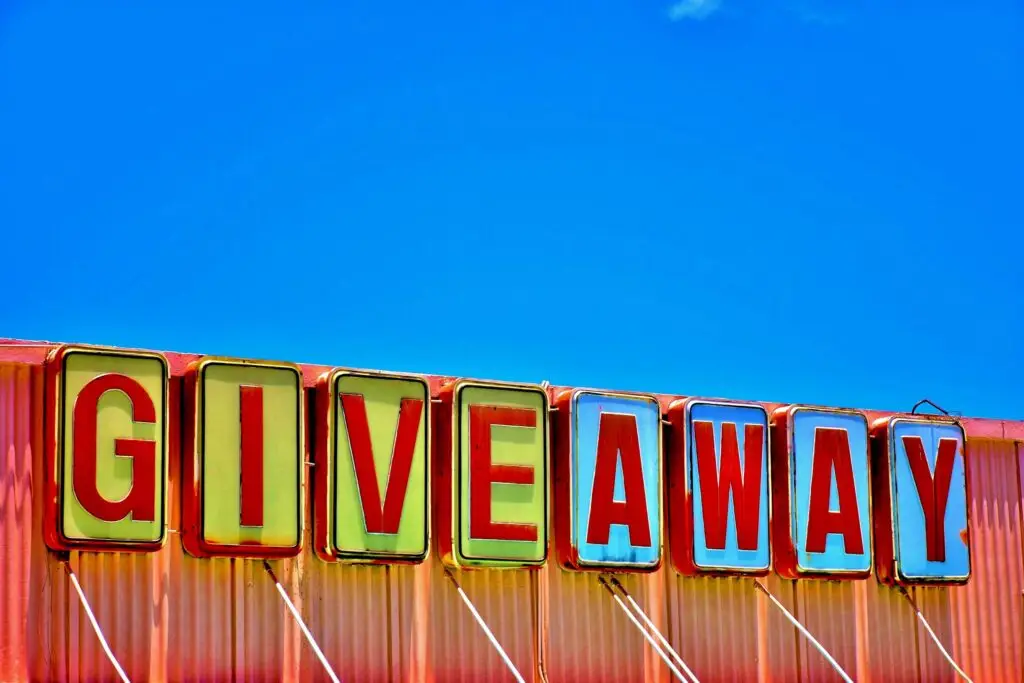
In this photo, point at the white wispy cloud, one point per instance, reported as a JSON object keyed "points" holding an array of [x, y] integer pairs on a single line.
{"points": [[821, 12], [693, 9]]}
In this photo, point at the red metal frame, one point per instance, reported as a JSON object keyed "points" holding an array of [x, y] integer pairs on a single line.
{"points": [[446, 483], [784, 558], [324, 461], [561, 486], [680, 495], [881, 483], [192, 535], [563, 513], [55, 399]]}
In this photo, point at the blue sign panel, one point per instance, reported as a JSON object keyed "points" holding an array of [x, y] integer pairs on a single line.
{"points": [[727, 462], [616, 480], [930, 501], [831, 527]]}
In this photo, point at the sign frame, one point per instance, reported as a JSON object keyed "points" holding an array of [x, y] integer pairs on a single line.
{"points": [[325, 476], [887, 566], [448, 479], [193, 462], [682, 536], [55, 378], [783, 524], [566, 436]]}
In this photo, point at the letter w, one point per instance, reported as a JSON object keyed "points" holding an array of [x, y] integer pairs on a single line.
{"points": [[716, 483]]}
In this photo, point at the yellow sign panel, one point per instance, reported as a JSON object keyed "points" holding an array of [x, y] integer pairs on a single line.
{"points": [[248, 460], [110, 465], [379, 467], [501, 494]]}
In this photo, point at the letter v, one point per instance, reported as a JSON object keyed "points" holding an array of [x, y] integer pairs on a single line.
{"points": [[382, 518]]}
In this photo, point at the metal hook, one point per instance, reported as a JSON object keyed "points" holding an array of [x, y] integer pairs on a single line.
{"points": [[913, 411]]}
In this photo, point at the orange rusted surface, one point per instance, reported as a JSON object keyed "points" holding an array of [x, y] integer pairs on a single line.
{"points": [[171, 617], [985, 615], [17, 532]]}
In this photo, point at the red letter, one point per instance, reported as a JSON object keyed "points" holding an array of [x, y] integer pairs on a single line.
{"points": [[382, 519], [140, 502], [715, 486], [832, 452], [617, 434], [934, 493], [251, 475], [483, 472]]}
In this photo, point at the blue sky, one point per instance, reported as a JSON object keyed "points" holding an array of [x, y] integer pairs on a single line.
{"points": [[801, 201]]}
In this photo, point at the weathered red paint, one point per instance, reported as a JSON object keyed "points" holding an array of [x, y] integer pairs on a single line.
{"points": [[845, 521], [933, 490], [251, 491], [53, 364], [140, 501], [484, 472], [720, 481], [883, 504], [251, 484], [831, 456], [679, 498], [323, 408], [618, 442], [382, 518]]}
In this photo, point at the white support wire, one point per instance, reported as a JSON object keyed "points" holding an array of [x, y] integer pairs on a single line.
{"points": [[95, 624], [807, 634], [935, 638], [483, 625], [647, 636], [654, 629], [302, 624]]}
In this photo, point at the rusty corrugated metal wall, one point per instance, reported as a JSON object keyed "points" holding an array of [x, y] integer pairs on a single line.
{"points": [[170, 617]]}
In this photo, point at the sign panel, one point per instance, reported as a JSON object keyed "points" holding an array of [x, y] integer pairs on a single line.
{"points": [[842, 497], [921, 519], [500, 476], [244, 457], [375, 485], [821, 497], [719, 501], [107, 452], [610, 502]]}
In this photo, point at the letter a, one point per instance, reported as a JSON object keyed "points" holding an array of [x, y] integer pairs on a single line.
{"points": [[617, 441]]}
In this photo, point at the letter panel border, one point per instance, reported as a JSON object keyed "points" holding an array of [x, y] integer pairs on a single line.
{"points": [[784, 555], [448, 474], [193, 460], [884, 517], [564, 437], [53, 519], [680, 490], [326, 411]]}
